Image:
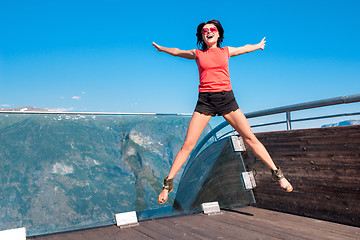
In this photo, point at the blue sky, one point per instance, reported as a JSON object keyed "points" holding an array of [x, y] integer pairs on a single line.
{"points": [[97, 55]]}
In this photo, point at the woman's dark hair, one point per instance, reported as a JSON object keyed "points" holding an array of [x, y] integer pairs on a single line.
{"points": [[200, 42]]}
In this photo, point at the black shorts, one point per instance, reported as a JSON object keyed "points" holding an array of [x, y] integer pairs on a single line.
{"points": [[216, 103]]}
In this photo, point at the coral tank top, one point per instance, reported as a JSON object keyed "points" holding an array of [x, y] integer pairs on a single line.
{"points": [[213, 65]]}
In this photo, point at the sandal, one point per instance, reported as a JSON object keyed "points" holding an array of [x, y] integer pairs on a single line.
{"points": [[168, 185], [277, 175]]}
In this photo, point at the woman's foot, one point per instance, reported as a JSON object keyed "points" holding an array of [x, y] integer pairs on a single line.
{"points": [[278, 176], [284, 183], [163, 196], [167, 188]]}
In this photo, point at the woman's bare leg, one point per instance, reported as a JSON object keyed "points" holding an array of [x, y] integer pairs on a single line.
{"points": [[239, 122], [197, 125]]}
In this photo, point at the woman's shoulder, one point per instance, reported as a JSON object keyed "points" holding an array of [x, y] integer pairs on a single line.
{"points": [[198, 52], [226, 49]]}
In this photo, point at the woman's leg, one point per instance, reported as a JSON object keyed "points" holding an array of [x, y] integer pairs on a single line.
{"points": [[239, 122], [196, 126]]}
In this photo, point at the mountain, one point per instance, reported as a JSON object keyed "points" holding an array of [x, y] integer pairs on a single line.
{"points": [[25, 109], [343, 123], [62, 172]]}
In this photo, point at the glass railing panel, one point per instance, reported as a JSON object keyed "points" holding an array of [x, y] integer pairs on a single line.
{"points": [[61, 172], [214, 175]]}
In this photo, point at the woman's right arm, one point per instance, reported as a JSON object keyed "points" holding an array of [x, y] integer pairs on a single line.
{"points": [[188, 54]]}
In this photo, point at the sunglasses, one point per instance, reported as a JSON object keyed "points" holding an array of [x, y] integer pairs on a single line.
{"points": [[206, 30]]}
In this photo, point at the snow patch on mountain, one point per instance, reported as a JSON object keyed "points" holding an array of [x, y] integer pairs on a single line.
{"points": [[343, 123], [62, 169], [145, 141]]}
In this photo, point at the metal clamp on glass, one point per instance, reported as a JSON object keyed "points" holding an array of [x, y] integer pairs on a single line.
{"points": [[237, 144], [249, 180]]}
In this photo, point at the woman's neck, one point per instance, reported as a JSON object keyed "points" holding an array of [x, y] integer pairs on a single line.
{"points": [[211, 47]]}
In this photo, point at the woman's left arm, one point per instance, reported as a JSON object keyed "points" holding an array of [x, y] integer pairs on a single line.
{"points": [[234, 51]]}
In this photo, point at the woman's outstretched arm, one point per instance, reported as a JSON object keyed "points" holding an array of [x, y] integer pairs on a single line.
{"points": [[188, 54], [234, 51]]}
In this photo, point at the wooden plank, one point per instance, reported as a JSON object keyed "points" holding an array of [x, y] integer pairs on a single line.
{"points": [[260, 226], [168, 228], [306, 228], [216, 227], [320, 227], [200, 226], [292, 226], [103, 233]]}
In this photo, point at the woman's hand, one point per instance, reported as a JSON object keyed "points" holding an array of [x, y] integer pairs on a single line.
{"points": [[262, 44], [158, 47]]}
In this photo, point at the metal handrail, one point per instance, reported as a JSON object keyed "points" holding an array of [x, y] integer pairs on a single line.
{"points": [[94, 113], [286, 109], [306, 105]]}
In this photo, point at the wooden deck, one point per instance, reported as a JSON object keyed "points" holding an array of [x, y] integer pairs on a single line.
{"points": [[243, 223], [323, 165]]}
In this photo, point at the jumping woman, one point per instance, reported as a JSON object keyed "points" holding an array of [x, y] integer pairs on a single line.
{"points": [[216, 98]]}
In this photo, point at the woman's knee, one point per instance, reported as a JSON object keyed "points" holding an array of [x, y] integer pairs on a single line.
{"points": [[251, 140], [188, 145]]}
